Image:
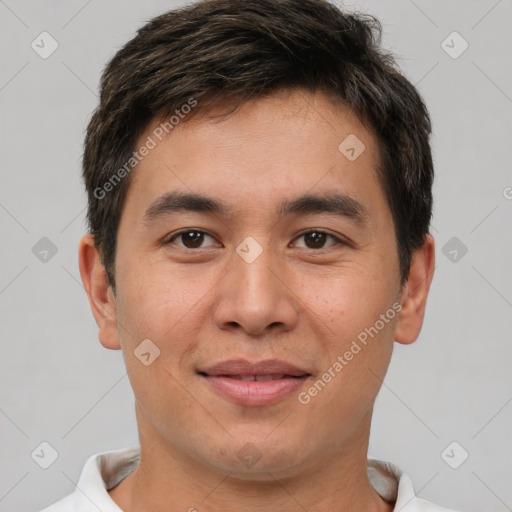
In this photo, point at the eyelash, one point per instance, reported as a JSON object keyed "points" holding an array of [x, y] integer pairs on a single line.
{"points": [[338, 240]]}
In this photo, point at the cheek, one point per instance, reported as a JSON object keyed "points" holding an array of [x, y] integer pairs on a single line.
{"points": [[348, 301], [161, 305], [166, 310], [356, 311]]}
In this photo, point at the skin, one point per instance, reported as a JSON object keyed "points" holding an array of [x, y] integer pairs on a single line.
{"points": [[295, 302]]}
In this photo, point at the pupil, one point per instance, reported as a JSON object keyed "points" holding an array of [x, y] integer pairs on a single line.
{"points": [[318, 240], [192, 239]]}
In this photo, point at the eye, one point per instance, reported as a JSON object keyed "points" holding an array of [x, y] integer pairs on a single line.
{"points": [[189, 238], [316, 239]]}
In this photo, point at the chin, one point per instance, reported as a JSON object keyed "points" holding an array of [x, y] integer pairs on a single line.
{"points": [[263, 460]]}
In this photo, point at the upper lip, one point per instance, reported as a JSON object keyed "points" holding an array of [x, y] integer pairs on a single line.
{"points": [[244, 367]]}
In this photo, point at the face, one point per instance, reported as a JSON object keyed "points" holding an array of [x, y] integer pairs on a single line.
{"points": [[287, 259]]}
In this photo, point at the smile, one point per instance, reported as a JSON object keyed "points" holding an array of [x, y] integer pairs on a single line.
{"points": [[254, 384]]}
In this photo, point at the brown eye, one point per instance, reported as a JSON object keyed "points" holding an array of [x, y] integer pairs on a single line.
{"points": [[190, 239], [317, 239]]}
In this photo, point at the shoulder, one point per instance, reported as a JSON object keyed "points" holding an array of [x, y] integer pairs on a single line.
{"points": [[67, 504], [426, 506], [101, 472], [394, 485]]}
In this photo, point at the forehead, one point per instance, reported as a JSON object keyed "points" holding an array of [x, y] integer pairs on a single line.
{"points": [[279, 146]]}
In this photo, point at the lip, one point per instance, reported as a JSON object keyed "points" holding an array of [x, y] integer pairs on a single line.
{"points": [[224, 377]]}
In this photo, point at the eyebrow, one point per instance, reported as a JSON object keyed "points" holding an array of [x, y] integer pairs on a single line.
{"points": [[177, 201], [336, 203], [339, 204]]}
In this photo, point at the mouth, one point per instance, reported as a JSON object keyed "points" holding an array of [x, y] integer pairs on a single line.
{"points": [[257, 377], [254, 384]]}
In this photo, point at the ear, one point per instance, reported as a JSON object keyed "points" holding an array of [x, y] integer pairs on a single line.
{"points": [[99, 292], [415, 292]]}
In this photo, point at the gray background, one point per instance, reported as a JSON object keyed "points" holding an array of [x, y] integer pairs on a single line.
{"points": [[61, 386]]}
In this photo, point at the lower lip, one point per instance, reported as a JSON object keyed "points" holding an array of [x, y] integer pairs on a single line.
{"points": [[255, 392]]}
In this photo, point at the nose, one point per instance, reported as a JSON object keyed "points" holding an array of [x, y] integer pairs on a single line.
{"points": [[254, 297]]}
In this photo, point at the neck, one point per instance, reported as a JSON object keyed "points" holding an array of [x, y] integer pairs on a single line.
{"points": [[167, 479]]}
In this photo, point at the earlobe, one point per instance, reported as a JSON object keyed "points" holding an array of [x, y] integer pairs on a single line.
{"points": [[415, 293], [99, 292]]}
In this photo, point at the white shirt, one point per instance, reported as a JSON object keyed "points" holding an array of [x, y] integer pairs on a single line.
{"points": [[104, 471]]}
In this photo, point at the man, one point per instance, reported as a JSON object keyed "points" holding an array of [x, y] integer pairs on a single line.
{"points": [[260, 192]]}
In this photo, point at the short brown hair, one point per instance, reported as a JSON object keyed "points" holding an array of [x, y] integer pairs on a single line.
{"points": [[226, 52]]}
